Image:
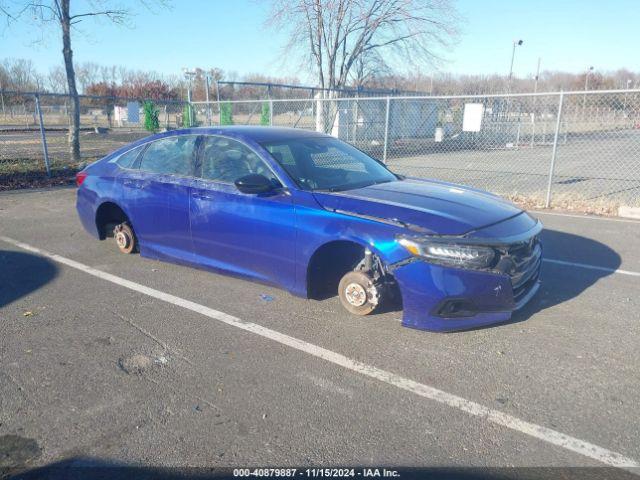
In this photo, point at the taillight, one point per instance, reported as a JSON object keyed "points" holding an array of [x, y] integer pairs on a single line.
{"points": [[80, 176]]}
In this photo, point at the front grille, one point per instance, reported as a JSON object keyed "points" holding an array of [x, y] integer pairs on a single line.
{"points": [[526, 258]]}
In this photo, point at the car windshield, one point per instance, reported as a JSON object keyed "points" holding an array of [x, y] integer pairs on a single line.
{"points": [[327, 164]]}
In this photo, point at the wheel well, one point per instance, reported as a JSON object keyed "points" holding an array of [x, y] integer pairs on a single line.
{"points": [[108, 216], [328, 264]]}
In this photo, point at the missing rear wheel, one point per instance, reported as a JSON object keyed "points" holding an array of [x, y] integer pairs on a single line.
{"points": [[125, 238]]}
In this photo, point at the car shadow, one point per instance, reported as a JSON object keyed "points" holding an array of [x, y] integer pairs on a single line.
{"points": [[22, 273], [560, 283]]}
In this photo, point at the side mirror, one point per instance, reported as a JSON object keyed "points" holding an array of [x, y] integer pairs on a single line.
{"points": [[254, 183]]}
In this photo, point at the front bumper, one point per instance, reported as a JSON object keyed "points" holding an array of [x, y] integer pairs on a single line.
{"points": [[485, 297]]}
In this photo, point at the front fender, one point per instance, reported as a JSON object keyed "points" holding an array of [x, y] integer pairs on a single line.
{"points": [[317, 227]]}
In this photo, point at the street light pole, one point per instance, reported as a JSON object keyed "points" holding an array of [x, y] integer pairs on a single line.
{"points": [[586, 78], [189, 74], [206, 80], [533, 110], [624, 103], [586, 87], [516, 43]]}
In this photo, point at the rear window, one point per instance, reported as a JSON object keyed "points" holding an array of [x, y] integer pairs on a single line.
{"points": [[127, 159]]}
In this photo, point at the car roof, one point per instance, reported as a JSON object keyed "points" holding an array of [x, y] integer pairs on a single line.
{"points": [[258, 134]]}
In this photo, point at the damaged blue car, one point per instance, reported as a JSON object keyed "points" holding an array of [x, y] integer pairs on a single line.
{"points": [[316, 216]]}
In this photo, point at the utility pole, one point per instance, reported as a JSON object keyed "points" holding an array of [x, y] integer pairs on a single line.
{"points": [[535, 85]]}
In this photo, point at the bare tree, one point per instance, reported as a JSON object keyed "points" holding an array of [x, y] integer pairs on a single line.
{"points": [[59, 12], [57, 79], [20, 74], [338, 34], [108, 74], [87, 73], [367, 68]]}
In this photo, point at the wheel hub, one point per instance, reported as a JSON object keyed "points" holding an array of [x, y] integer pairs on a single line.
{"points": [[122, 239], [355, 294]]}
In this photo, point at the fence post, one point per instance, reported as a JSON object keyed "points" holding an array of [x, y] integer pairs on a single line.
{"points": [[270, 112], [554, 151], [43, 136], [533, 128], [386, 131]]}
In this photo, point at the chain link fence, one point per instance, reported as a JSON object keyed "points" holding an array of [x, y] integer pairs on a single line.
{"points": [[576, 150], [34, 140]]}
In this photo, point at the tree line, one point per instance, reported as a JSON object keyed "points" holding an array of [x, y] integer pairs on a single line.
{"points": [[343, 43], [118, 81]]}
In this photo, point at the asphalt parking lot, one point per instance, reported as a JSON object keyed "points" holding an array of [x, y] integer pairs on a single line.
{"points": [[586, 170], [113, 358]]}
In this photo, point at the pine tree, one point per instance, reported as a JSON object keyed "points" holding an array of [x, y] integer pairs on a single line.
{"points": [[226, 114], [265, 116], [151, 122], [186, 116]]}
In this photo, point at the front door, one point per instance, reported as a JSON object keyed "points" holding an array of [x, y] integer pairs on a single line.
{"points": [[251, 235]]}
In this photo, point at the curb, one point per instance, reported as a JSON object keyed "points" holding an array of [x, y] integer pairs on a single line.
{"points": [[629, 212]]}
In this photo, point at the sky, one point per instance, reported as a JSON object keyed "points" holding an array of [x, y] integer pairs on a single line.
{"points": [[569, 35]]}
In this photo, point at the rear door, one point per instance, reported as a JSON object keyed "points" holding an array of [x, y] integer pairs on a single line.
{"points": [[252, 235], [161, 198]]}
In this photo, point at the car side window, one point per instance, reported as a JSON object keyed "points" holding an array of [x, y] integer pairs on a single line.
{"points": [[172, 155], [127, 159], [226, 160]]}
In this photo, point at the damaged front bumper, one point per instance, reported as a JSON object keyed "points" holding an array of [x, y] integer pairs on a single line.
{"points": [[445, 298]]}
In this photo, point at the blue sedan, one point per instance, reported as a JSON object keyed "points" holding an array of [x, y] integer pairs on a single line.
{"points": [[313, 215]]}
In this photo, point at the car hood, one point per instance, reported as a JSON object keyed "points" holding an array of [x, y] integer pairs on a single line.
{"points": [[429, 206]]}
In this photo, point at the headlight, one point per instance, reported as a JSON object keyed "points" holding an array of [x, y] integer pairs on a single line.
{"points": [[470, 256]]}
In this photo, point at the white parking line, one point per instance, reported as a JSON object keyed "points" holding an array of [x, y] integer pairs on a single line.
{"points": [[591, 267], [545, 434]]}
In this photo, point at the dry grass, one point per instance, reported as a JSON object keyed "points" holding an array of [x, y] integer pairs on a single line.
{"points": [[568, 203]]}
